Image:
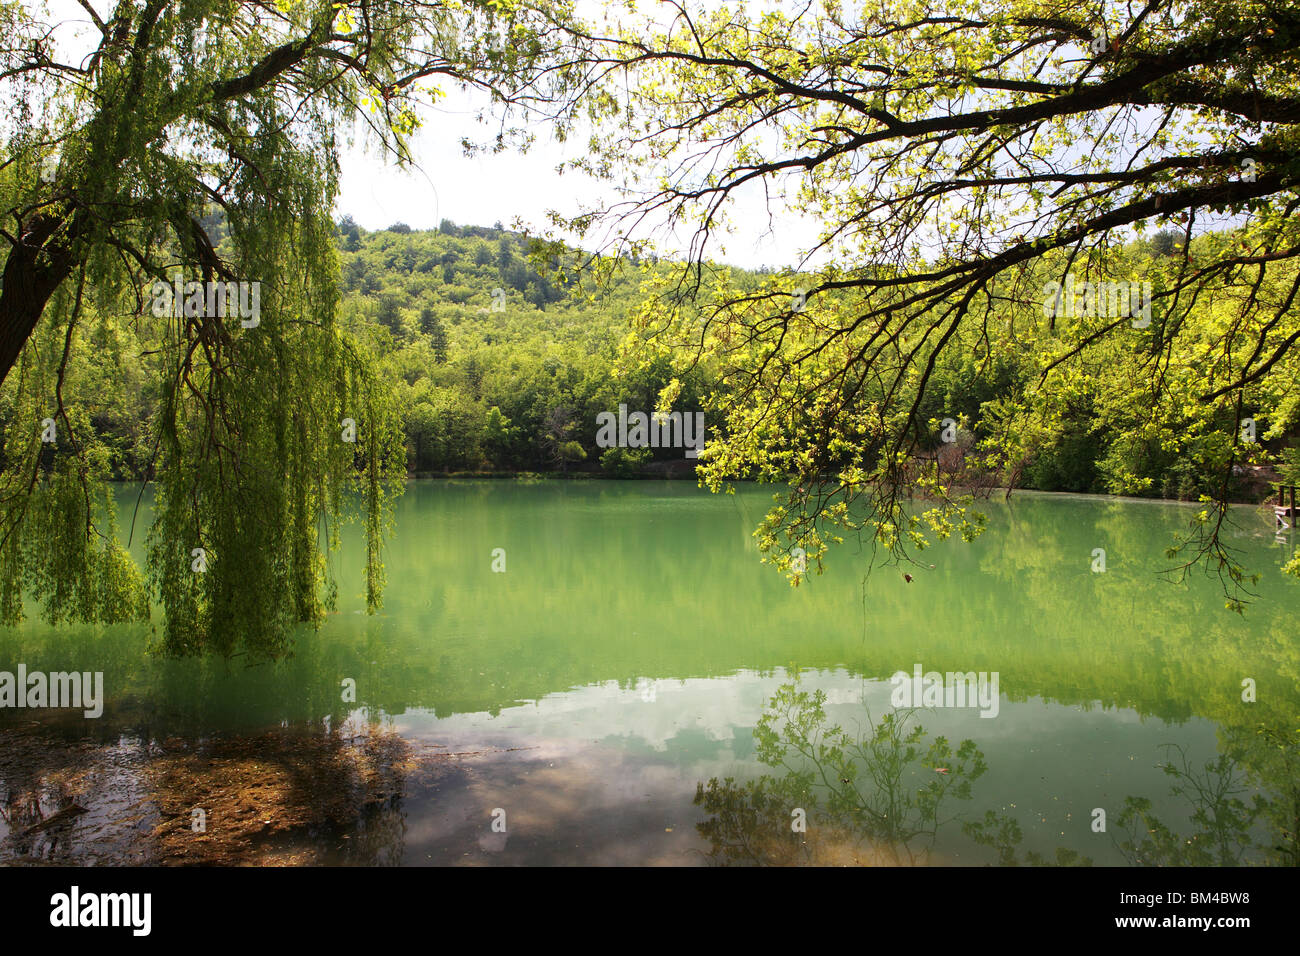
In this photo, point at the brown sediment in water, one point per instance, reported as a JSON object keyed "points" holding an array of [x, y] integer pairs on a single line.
{"points": [[289, 796], [260, 795]]}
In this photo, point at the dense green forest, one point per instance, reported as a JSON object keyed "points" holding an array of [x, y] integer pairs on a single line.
{"points": [[503, 361]]}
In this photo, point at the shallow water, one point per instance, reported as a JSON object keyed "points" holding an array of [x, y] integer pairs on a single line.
{"points": [[574, 708]]}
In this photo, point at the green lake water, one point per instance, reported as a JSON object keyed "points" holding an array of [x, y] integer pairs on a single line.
{"points": [[591, 691]]}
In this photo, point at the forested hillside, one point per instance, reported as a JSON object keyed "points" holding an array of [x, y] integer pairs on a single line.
{"points": [[504, 369], [501, 368], [503, 362]]}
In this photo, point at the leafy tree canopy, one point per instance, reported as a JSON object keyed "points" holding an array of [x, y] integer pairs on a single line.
{"points": [[198, 142], [960, 157]]}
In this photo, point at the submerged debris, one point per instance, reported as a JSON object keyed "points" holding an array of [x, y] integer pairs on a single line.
{"points": [[289, 796], [257, 794]]}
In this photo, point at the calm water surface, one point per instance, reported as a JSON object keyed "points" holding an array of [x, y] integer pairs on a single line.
{"points": [[599, 700]]}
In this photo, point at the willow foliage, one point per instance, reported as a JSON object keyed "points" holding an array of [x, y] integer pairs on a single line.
{"points": [[197, 142]]}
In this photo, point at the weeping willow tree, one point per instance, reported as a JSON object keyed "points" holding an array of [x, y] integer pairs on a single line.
{"points": [[157, 148], [954, 161]]}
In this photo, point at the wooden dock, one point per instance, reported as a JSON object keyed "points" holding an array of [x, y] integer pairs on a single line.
{"points": [[1284, 512]]}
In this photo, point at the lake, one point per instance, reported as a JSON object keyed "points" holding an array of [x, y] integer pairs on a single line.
{"points": [[601, 700]]}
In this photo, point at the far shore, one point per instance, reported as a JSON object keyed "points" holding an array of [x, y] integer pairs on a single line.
{"points": [[677, 474]]}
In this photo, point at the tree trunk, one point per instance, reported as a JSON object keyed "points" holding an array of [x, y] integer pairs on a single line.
{"points": [[31, 274]]}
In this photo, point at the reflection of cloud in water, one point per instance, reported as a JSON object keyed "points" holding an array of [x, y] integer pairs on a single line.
{"points": [[565, 803], [606, 769], [717, 708]]}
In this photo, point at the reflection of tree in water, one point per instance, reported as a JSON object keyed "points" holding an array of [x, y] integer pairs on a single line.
{"points": [[877, 795], [1225, 828]]}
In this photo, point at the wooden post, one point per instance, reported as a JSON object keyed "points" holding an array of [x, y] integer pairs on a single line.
{"points": [[1293, 515]]}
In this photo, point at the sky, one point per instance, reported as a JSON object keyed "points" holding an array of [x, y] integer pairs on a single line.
{"points": [[510, 186]]}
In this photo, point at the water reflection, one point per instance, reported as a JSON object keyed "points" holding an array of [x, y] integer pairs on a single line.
{"points": [[881, 792], [628, 655], [1253, 785]]}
